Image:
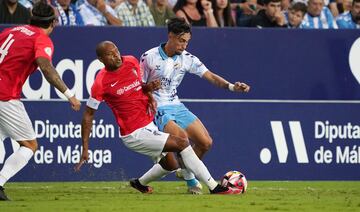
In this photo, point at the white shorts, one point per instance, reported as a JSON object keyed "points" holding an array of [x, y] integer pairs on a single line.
{"points": [[15, 122], [147, 141]]}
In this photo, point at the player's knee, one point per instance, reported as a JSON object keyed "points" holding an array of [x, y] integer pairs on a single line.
{"points": [[182, 143], [206, 144], [33, 145]]}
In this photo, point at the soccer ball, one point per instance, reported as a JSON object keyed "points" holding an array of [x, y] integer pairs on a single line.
{"points": [[235, 179]]}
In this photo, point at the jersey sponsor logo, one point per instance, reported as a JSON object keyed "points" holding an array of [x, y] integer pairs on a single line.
{"points": [[113, 84], [281, 146], [48, 51], [124, 89], [165, 81]]}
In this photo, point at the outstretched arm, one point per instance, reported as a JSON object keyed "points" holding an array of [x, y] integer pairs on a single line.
{"points": [[86, 124], [54, 79], [222, 83]]}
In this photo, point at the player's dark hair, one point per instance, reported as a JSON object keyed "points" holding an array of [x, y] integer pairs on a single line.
{"points": [[299, 6], [42, 15], [178, 26]]}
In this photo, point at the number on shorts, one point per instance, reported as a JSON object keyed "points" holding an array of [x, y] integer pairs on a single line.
{"points": [[4, 49]]}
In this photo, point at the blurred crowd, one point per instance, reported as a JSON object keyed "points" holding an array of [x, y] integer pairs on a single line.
{"points": [[307, 14]]}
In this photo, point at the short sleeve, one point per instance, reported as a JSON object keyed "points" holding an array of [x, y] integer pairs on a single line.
{"points": [[136, 65], [144, 69], [197, 67], [44, 47], [96, 96]]}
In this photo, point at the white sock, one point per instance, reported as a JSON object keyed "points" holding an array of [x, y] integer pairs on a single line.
{"points": [[197, 167], [15, 163], [156, 172], [187, 174]]}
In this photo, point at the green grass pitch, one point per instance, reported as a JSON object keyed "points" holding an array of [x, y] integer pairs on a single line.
{"points": [[171, 196]]}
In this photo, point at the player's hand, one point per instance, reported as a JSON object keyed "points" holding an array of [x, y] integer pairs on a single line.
{"points": [[84, 158], [279, 18], [155, 85], [241, 87], [75, 103]]}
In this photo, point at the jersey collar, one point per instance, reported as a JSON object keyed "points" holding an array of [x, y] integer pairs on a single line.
{"points": [[163, 54]]}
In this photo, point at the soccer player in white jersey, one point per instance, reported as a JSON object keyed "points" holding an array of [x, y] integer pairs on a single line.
{"points": [[169, 62], [119, 85]]}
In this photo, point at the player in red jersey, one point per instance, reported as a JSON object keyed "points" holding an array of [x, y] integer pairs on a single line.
{"points": [[120, 86], [22, 50]]}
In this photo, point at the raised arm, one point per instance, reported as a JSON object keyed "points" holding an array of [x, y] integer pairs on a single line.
{"points": [[222, 83], [54, 79]]}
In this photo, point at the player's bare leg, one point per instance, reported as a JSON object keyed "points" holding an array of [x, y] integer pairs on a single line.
{"points": [[15, 162], [194, 164], [194, 186], [200, 137]]}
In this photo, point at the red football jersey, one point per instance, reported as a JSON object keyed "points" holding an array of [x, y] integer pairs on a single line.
{"points": [[19, 48], [121, 90]]}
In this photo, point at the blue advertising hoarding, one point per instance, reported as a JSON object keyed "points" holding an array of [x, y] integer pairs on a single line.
{"points": [[298, 122]]}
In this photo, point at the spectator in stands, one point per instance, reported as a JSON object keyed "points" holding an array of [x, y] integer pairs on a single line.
{"points": [[11, 12], [318, 16], [98, 13], [161, 12], [295, 15], [26, 3], [332, 4], [285, 4], [171, 3], [271, 16], [114, 3], [68, 13], [350, 19], [243, 11], [196, 12], [222, 12], [135, 13]]}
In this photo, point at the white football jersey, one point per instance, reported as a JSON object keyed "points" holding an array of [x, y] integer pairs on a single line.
{"points": [[155, 64]]}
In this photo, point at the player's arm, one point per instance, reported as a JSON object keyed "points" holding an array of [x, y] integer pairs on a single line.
{"points": [[86, 124], [151, 86], [54, 79], [222, 83]]}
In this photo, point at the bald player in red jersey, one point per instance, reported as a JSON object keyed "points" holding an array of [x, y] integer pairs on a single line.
{"points": [[120, 86], [22, 50]]}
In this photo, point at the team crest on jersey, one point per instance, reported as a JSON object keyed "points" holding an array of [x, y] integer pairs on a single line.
{"points": [[177, 65], [48, 51]]}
